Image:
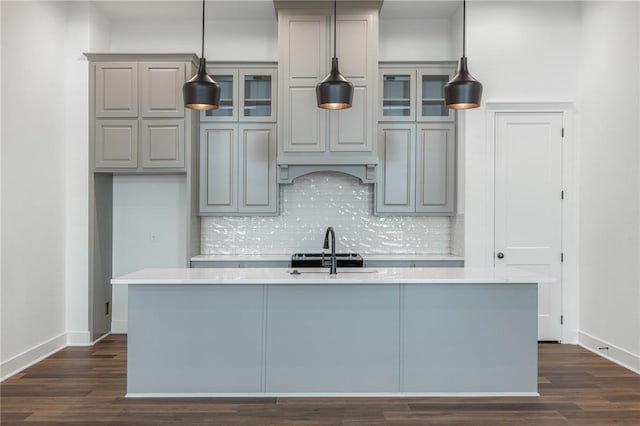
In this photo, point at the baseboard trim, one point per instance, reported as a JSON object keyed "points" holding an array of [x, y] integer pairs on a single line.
{"points": [[613, 353], [79, 338], [119, 326], [32, 356], [333, 394]]}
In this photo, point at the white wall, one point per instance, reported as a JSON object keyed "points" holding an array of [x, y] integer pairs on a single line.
{"points": [[149, 230], [87, 31], [521, 52], [77, 171], [610, 181], [33, 181], [524, 52], [232, 40], [415, 40]]}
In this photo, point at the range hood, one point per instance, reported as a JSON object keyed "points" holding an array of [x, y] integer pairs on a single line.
{"points": [[311, 139]]}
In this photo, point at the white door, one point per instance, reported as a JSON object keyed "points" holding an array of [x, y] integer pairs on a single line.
{"points": [[528, 205]]}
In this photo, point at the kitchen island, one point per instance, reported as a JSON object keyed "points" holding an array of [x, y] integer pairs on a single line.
{"points": [[362, 332]]}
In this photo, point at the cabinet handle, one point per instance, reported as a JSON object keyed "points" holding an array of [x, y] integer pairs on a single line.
{"points": [[500, 255]]}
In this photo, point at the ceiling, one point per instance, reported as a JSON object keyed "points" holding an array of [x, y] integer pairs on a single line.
{"points": [[254, 9]]}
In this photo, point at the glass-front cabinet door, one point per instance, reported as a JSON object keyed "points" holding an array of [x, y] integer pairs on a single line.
{"points": [[430, 94], [247, 94], [228, 109], [398, 100], [257, 95]]}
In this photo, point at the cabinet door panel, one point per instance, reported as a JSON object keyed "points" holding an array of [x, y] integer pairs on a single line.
{"points": [[352, 124], [116, 144], [218, 169], [435, 168], [353, 37], [257, 172], [309, 136], [228, 108], [430, 94], [306, 48], [162, 143], [257, 95], [398, 94], [116, 89], [305, 122], [395, 191], [162, 89]]}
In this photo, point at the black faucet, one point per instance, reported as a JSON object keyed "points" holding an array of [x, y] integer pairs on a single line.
{"points": [[334, 262]]}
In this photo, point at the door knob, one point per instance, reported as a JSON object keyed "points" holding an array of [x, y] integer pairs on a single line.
{"points": [[500, 255]]}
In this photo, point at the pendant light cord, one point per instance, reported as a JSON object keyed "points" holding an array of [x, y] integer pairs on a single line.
{"points": [[202, 29], [464, 27], [335, 27]]}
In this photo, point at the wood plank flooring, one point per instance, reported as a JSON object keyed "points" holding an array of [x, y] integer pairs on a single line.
{"points": [[87, 386]]}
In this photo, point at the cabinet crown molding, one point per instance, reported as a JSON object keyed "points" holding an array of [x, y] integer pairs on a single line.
{"points": [[142, 57], [315, 4]]}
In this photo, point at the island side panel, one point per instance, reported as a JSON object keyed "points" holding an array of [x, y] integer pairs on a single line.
{"points": [[470, 338], [332, 338], [195, 339]]}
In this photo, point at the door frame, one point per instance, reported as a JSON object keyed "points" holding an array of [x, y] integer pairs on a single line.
{"points": [[570, 206]]}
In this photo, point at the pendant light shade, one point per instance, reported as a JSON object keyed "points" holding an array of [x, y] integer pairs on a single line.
{"points": [[463, 91], [201, 92], [334, 91]]}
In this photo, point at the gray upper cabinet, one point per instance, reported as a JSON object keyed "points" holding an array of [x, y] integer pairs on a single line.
{"points": [[162, 89], [248, 93], [257, 95], [116, 89], [227, 110], [139, 123], [238, 143], [414, 93], [396, 180], [417, 142], [309, 136], [417, 169], [237, 169], [116, 144], [218, 168], [162, 144], [397, 91], [435, 168], [257, 189], [430, 94]]}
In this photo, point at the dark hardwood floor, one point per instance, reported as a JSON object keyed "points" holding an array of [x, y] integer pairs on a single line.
{"points": [[87, 386]]}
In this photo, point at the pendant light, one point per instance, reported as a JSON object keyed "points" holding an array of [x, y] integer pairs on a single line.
{"points": [[463, 91], [334, 91], [201, 92]]}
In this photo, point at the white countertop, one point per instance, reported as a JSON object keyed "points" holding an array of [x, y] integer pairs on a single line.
{"points": [[287, 257], [321, 276]]}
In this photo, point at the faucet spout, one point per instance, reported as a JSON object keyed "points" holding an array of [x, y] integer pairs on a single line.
{"points": [[334, 261]]}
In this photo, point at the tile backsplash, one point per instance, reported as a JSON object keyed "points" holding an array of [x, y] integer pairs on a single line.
{"points": [[315, 202]]}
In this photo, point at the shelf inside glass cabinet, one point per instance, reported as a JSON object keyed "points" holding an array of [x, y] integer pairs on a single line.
{"points": [[257, 96], [396, 101], [433, 95], [226, 97]]}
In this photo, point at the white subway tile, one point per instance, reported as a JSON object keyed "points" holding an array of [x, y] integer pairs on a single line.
{"points": [[317, 201]]}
